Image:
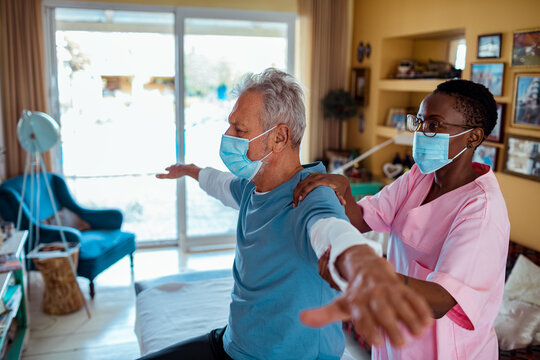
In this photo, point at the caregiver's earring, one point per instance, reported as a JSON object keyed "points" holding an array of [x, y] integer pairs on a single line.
{"points": [[469, 146]]}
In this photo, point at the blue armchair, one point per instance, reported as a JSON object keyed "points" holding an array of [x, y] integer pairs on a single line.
{"points": [[101, 246]]}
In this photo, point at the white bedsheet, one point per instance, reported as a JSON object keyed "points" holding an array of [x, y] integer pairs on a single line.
{"points": [[172, 312]]}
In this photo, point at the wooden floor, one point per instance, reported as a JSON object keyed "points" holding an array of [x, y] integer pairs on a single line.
{"points": [[108, 334]]}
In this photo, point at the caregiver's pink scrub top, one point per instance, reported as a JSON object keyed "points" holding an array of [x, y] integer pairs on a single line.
{"points": [[459, 241]]}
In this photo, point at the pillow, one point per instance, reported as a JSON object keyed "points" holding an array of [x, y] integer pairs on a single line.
{"points": [[536, 340], [516, 324], [68, 218], [524, 282]]}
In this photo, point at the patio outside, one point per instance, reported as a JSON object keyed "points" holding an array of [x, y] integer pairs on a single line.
{"points": [[116, 92]]}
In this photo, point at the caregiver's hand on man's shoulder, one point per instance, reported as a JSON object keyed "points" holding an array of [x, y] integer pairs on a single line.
{"points": [[375, 300], [178, 170], [339, 183]]}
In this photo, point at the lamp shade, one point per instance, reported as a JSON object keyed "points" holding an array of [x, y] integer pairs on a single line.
{"points": [[37, 131]]}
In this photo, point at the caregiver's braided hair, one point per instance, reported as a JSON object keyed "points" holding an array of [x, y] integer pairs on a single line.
{"points": [[473, 101]]}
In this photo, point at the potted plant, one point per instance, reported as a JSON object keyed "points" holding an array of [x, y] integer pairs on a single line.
{"points": [[339, 105]]}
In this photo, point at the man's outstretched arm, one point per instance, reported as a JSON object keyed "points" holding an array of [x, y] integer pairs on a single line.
{"points": [[214, 182], [180, 170], [375, 298], [331, 237]]}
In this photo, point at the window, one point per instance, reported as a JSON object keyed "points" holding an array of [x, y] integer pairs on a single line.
{"points": [[457, 53], [118, 82]]}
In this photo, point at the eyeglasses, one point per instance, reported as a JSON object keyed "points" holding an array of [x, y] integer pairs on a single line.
{"points": [[429, 127]]}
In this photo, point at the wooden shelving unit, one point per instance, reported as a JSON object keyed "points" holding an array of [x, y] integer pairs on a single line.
{"points": [[404, 93], [410, 85], [11, 283], [386, 131]]}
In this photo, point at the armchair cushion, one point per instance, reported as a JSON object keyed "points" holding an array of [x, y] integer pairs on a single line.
{"points": [[51, 233], [100, 249], [109, 219], [68, 218]]}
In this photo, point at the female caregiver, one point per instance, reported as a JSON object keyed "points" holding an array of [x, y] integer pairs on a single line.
{"points": [[448, 224]]}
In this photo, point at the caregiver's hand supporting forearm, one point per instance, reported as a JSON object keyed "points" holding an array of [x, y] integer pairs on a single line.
{"points": [[439, 300], [178, 170], [376, 298]]}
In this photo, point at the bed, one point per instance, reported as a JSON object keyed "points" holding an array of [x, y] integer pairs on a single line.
{"points": [[174, 308], [177, 307], [180, 309]]}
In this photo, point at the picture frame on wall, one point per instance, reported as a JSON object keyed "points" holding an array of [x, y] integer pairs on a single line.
{"points": [[526, 101], [360, 85], [486, 154], [497, 134], [397, 118], [489, 46], [526, 48], [490, 75], [336, 159], [360, 52], [522, 156]]}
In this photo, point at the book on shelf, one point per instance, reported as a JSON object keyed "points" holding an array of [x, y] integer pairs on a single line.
{"points": [[3, 308], [12, 300], [13, 296], [9, 262]]}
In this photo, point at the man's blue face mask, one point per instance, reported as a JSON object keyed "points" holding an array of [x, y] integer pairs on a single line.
{"points": [[233, 153], [431, 153]]}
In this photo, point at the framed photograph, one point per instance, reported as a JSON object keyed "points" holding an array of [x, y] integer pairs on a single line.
{"points": [[526, 48], [526, 111], [360, 52], [397, 118], [486, 154], [360, 85], [522, 156], [489, 46], [336, 159], [497, 133], [490, 75]]}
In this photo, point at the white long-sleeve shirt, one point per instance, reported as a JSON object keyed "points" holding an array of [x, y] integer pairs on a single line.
{"points": [[329, 232]]}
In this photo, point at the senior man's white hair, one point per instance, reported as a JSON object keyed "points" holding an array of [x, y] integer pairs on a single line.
{"points": [[283, 98]]}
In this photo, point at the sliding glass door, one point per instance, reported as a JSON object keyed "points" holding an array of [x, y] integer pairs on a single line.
{"points": [[217, 53], [117, 74]]}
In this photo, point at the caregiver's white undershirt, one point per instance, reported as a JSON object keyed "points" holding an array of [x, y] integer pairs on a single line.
{"points": [[329, 232]]}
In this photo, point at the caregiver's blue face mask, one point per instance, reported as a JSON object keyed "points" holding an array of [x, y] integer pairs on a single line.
{"points": [[233, 152], [431, 152]]}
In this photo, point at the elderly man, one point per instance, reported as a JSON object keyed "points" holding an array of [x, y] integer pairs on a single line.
{"points": [[278, 245]]}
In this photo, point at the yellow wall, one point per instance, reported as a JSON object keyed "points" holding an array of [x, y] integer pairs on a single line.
{"points": [[375, 20], [274, 5]]}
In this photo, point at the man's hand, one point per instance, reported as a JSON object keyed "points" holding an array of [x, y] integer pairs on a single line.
{"points": [[376, 299], [178, 170]]}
